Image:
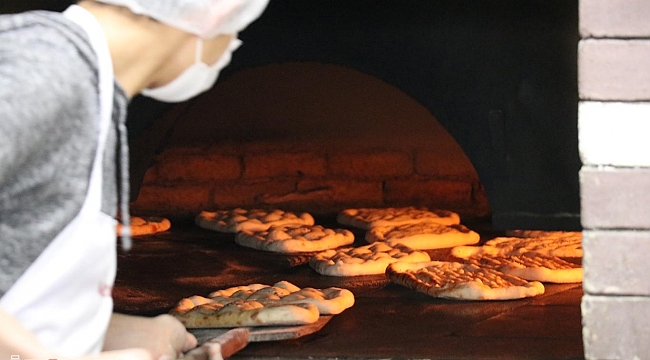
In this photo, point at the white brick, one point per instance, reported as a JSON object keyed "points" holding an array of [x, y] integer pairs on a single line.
{"points": [[614, 18], [614, 70], [614, 133]]}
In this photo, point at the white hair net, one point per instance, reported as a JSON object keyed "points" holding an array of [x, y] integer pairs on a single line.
{"points": [[205, 18]]}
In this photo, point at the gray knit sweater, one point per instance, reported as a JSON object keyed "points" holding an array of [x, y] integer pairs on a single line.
{"points": [[48, 135]]}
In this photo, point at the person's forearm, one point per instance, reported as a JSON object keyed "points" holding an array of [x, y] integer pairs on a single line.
{"points": [[15, 339]]}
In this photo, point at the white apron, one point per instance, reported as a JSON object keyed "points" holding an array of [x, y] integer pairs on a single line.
{"points": [[64, 297]]}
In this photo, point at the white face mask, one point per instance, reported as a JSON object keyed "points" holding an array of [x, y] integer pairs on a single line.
{"points": [[196, 79]]}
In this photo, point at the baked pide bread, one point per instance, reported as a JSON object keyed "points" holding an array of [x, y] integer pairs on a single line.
{"points": [[365, 218], [145, 225], [235, 220], [364, 260], [423, 235], [554, 246], [543, 234], [531, 266], [291, 239], [262, 305], [459, 281]]}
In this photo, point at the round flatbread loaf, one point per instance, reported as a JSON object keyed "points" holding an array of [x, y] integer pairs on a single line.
{"points": [[146, 225], [424, 235], [295, 238], [234, 220], [365, 218], [364, 260]]}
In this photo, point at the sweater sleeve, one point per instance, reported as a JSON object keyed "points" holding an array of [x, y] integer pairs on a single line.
{"points": [[48, 106]]}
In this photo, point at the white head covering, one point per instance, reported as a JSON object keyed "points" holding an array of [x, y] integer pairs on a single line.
{"points": [[205, 18]]}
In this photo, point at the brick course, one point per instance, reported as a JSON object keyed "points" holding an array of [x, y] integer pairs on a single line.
{"points": [[614, 70], [206, 167], [616, 262], [615, 198], [616, 327], [280, 164], [371, 165], [614, 18]]}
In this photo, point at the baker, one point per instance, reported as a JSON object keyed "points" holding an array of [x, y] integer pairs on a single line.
{"points": [[65, 82]]}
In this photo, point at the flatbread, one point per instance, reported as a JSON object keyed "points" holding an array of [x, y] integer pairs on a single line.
{"points": [[329, 301], [570, 247], [364, 260], [532, 266], [295, 238], [261, 305], [424, 235], [365, 218], [459, 281], [146, 225], [234, 220], [214, 314], [543, 234]]}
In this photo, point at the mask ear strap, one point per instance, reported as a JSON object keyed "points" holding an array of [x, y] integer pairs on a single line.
{"points": [[199, 50]]}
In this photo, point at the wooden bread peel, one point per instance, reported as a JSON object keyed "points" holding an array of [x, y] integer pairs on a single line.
{"points": [[221, 346], [218, 344]]}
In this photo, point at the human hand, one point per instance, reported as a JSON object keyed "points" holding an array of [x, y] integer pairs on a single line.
{"points": [[163, 336]]}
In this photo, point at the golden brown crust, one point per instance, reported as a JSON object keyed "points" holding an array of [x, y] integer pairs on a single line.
{"points": [[366, 218], [364, 260], [461, 281], [259, 305], [247, 313], [234, 220], [532, 266], [146, 225], [424, 235], [295, 238], [570, 246]]}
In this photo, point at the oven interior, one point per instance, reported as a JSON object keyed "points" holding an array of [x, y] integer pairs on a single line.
{"points": [[465, 105]]}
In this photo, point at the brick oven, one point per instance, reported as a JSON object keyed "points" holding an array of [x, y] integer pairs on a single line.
{"points": [[516, 114], [377, 103]]}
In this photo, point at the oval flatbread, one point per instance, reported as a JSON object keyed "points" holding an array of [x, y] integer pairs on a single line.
{"points": [[234, 220], [295, 238], [531, 266], [245, 313], [364, 260], [459, 281], [262, 305], [365, 218], [424, 235], [570, 247], [146, 225]]}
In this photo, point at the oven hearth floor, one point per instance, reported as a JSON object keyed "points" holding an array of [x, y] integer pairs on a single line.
{"points": [[387, 320]]}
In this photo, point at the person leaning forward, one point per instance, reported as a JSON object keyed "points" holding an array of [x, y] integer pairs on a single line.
{"points": [[65, 82]]}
